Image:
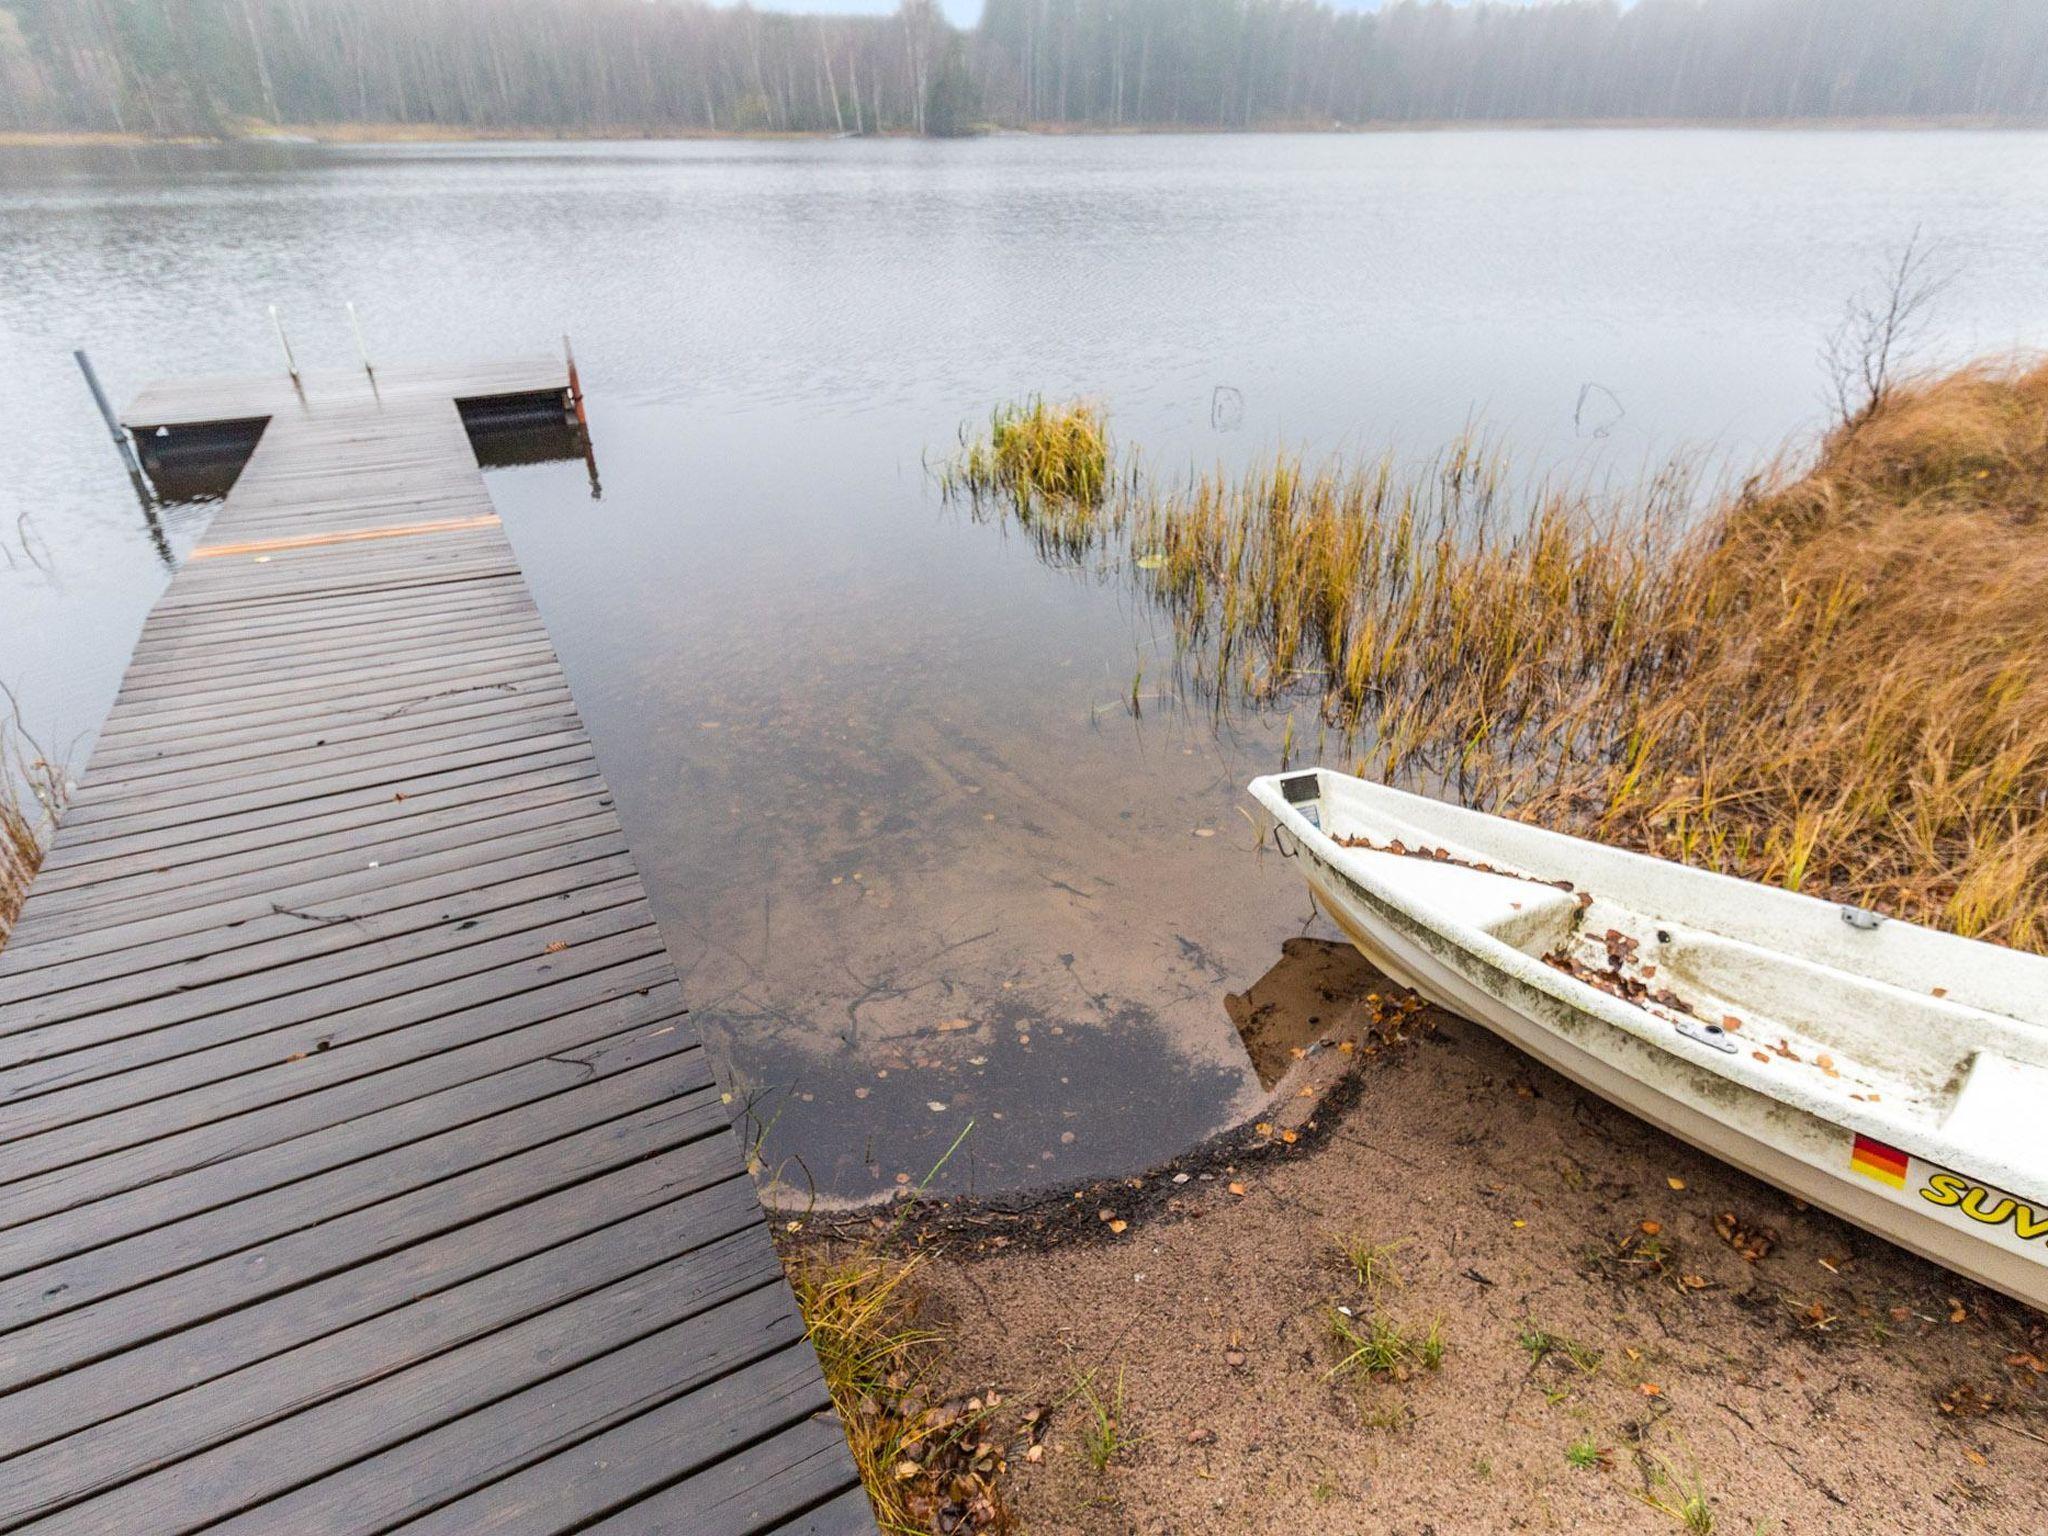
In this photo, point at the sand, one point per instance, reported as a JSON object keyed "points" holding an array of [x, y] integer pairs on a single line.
{"points": [[1832, 1384]]}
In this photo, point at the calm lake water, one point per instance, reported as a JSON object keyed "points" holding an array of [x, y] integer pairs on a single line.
{"points": [[874, 758]]}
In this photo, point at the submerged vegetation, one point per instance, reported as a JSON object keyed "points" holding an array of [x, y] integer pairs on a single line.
{"points": [[1835, 680]]}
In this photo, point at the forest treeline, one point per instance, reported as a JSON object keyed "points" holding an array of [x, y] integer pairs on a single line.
{"points": [[209, 66]]}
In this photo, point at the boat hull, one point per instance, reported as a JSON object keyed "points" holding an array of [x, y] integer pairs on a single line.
{"points": [[1803, 1155]]}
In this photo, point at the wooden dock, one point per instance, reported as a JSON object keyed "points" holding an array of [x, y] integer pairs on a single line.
{"points": [[360, 1169]]}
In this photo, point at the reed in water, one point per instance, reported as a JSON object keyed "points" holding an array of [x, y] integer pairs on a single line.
{"points": [[1047, 466], [1833, 679]]}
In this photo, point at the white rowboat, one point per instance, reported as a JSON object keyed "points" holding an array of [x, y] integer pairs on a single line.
{"points": [[1893, 1075]]}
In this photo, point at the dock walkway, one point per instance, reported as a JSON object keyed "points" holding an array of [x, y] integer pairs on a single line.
{"points": [[360, 1169]]}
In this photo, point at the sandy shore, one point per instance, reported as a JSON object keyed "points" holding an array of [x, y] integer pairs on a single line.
{"points": [[1579, 1269]]}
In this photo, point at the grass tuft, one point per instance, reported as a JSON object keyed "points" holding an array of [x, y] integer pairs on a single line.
{"points": [[1586, 1453], [1680, 1496], [1106, 1435], [1371, 1263], [1379, 1346], [1050, 464], [1541, 1344], [864, 1314]]}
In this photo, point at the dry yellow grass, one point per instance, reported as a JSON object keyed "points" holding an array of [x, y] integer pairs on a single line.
{"points": [[31, 790], [1861, 704], [1048, 466], [21, 851], [1835, 680], [924, 1463]]}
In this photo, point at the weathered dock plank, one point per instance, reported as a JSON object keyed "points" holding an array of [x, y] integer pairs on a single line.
{"points": [[359, 1166]]}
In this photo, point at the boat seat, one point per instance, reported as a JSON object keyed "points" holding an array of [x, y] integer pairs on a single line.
{"points": [[1531, 916], [1998, 1108]]}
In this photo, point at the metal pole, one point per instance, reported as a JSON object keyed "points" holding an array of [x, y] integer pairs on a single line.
{"points": [[361, 351], [290, 366], [126, 448], [114, 427]]}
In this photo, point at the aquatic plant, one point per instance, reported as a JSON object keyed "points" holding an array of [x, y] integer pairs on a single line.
{"points": [[1050, 465], [1833, 678]]}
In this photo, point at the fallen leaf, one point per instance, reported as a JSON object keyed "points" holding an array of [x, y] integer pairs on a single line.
{"points": [[1751, 1243], [1676, 1183], [1650, 1389], [1652, 1228], [1236, 1188], [1118, 1226]]}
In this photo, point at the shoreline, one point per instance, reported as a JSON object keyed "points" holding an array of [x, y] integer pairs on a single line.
{"points": [[331, 134]]}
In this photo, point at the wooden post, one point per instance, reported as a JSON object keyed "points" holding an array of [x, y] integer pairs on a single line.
{"points": [[575, 384]]}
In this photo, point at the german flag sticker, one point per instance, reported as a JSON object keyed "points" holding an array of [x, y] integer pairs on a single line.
{"points": [[1875, 1160]]}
